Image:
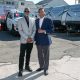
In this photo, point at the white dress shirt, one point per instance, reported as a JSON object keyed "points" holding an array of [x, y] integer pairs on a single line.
{"points": [[41, 21]]}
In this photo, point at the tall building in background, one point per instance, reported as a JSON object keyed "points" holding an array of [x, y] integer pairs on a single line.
{"points": [[1, 1], [10, 3], [19, 4], [22, 4]]}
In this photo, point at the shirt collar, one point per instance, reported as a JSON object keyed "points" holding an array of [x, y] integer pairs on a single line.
{"points": [[42, 18]]}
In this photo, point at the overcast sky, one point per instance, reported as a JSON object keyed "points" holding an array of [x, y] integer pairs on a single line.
{"points": [[35, 1], [70, 1]]}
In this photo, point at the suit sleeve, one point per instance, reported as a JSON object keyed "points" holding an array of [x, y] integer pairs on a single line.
{"points": [[33, 30], [49, 29], [20, 30]]}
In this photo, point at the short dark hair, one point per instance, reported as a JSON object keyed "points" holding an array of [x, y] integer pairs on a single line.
{"points": [[26, 9], [40, 9]]}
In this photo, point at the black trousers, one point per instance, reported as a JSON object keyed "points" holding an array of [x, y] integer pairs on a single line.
{"points": [[25, 48]]}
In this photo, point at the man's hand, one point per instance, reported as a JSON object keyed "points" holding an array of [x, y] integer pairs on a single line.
{"points": [[41, 31], [29, 40]]}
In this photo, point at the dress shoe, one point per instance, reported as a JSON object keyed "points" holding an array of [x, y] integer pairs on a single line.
{"points": [[45, 72], [39, 69], [28, 69], [20, 74]]}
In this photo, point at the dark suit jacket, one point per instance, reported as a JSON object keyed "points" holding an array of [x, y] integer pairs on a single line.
{"points": [[42, 38]]}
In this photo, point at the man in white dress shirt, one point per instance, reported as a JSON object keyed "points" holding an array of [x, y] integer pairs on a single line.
{"points": [[44, 27]]}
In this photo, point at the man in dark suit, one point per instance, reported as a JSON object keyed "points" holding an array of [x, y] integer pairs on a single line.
{"points": [[44, 27]]}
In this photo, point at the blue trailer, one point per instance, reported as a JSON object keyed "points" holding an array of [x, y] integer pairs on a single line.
{"points": [[66, 17], [73, 18]]}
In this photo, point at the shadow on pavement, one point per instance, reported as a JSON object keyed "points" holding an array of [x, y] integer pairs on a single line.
{"points": [[30, 76], [6, 36], [71, 37]]}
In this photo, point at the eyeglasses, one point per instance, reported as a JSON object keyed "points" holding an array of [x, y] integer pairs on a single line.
{"points": [[27, 11]]}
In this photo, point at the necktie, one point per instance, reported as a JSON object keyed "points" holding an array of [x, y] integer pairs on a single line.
{"points": [[27, 20]]}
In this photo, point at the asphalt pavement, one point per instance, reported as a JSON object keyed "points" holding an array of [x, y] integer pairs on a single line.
{"points": [[64, 58]]}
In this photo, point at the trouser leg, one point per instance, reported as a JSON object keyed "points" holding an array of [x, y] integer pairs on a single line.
{"points": [[28, 53], [21, 56], [40, 56], [46, 57]]}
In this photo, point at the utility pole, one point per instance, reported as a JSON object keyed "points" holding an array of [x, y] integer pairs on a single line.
{"points": [[78, 1], [75, 1]]}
